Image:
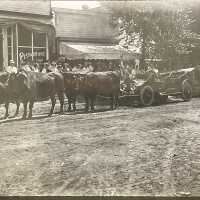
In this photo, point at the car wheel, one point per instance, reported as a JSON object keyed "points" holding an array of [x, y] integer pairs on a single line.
{"points": [[186, 90], [147, 95]]}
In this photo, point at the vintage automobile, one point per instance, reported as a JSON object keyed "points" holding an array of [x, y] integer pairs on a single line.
{"points": [[155, 89], [191, 74]]}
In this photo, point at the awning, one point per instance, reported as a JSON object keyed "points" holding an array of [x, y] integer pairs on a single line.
{"points": [[33, 26], [93, 51]]}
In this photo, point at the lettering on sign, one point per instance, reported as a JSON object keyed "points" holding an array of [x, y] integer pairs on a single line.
{"points": [[36, 54]]}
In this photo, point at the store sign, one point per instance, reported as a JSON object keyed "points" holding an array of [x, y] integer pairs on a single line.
{"points": [[39, 55], [25, 54]]}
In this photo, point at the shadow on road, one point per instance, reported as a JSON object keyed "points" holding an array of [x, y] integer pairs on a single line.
{"points": [[78, 111], [2, 121], [15, 119], [45, 115], [82, 111]]}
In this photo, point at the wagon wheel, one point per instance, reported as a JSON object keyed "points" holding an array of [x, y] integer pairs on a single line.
{"points": [[147, 95], [186, 91]]}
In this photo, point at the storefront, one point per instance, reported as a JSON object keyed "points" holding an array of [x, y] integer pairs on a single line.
{"points": [[22, 43], [25, 35], [88, 35]]}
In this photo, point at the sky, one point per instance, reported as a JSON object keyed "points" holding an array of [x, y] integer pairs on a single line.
{"points": [[74, 4], [92, 4]]}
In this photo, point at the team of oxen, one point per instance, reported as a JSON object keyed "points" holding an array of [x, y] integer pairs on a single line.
{"points": [[28, 87]]}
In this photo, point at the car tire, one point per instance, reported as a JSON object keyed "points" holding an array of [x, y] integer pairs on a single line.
{"points": [[186, 90], [147, 95]]}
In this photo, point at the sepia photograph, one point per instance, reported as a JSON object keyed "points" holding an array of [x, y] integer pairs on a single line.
{"points": [[100, 98]]}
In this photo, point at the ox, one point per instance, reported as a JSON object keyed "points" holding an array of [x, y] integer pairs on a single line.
{"points": [[28, 87], [5, 94], [100, 83], [71, 88]]}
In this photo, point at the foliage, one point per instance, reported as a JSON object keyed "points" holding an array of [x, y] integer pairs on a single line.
{"points": [[160, 29]]}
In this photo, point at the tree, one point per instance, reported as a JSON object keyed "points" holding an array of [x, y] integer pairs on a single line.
{"points": [[158, 28]]}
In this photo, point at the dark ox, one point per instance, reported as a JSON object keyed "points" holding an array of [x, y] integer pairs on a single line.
{"points": [[100, 83], [29, 87], [5, 94], [71, 81]]}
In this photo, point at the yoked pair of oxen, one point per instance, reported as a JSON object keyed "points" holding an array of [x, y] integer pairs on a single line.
{"points": [[27, 87]]}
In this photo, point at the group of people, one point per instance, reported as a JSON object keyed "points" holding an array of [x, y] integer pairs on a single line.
{"points": [[65, 66], [12, 68], [129, 72]]}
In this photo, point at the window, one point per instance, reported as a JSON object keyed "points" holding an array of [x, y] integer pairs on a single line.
{"points": [[39, 40], [39, 54], [39, 47], [10, 43], [32, 45], [1, 50], [25, 38]]}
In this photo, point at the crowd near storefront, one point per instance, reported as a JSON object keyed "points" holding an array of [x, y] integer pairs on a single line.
{"points": [[26, 33], [34, 36], [85, 39]]}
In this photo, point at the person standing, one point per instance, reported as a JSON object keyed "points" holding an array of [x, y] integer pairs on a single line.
{"points": [[90, 67], [110, 66], [67, 67], [11, 68]]}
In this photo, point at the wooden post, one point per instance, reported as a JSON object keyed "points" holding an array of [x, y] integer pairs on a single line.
{"points": [[5, 48], [47, 47], [12, 43], [32, 50], [17, 44]]}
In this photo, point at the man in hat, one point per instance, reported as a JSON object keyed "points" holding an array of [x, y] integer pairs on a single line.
{"points": [[67, 67], [59, 67], [11, 68], [90, 67]]}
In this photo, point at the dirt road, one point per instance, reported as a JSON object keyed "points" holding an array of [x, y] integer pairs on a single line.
{"points": [[129, 151]]}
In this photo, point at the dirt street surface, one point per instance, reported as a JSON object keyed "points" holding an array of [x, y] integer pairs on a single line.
{"points": [[129, 151]]}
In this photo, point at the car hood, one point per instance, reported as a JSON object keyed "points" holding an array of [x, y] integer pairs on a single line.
{"points": [[139, 82]]}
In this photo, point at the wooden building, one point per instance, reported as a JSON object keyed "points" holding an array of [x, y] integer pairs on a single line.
{"points": [[86, 34], [26, 31]]}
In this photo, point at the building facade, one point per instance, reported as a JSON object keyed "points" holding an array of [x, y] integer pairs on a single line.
{"points": [[86, 34], [26, 31]]}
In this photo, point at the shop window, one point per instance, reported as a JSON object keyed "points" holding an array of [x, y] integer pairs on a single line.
{"points": [[34, 50], [39, 47], [10, 43], [39, 55], [39, 39], [9, 54], [9, 30], [1, 50], [25, 36]]}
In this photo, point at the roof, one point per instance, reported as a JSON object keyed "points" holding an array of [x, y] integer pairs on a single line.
{"points": [[80, 24], [91, 11], [38, 7], [100, 9], [93, 51]]}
